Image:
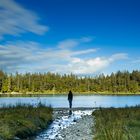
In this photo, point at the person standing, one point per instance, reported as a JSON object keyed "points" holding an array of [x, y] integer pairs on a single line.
{"points": [[70, 98]]}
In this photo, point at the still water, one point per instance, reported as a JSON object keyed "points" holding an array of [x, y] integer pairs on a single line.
{"points": [[78, 101]]}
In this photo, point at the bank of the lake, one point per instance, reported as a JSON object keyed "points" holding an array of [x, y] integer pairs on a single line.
{"points": [[117, 124], [22, 121], [28, 94]]}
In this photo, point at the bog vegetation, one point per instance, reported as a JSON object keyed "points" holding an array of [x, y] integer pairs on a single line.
{"points": [[22, 121], [117, 124], [124, 82]]}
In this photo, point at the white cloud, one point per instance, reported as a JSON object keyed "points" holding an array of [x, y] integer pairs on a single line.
{"points": [[70, 43], [94, 65], [118, 56], [32, 57], [21, 55], [84, 51], [14, 20]]}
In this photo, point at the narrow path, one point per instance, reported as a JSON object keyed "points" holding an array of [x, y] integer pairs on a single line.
{"points": [[82, 130], [77, 126]]}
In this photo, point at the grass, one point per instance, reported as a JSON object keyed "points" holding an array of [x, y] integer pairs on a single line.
{"points": [[117, 124], [22, 121]]}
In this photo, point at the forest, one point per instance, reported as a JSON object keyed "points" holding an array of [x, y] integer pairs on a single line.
{"points": [[115, 83]]}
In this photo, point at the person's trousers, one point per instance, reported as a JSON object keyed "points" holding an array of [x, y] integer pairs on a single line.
{"points": [[70, 103]]}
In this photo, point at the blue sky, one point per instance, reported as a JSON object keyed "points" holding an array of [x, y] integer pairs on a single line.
{"points": [[83, 37]]}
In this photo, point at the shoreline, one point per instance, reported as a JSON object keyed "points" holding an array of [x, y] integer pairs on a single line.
{"points": [[19, 94]]}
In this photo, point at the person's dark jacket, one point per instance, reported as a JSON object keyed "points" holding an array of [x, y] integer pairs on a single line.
{"points": [[70, 96]]}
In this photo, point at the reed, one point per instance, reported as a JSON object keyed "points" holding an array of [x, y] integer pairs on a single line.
{"points": [[117, 124], [22, 121]]}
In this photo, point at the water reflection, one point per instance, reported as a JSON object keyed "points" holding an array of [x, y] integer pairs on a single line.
{"points": [[70, 112]]}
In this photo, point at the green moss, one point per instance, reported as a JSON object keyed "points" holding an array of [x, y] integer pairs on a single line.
{"points": [[23, 121]]}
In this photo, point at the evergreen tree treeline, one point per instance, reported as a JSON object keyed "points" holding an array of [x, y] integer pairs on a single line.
{"points": [[50, 82]]}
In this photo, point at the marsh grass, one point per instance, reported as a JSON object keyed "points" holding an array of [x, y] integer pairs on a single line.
{"points": [[23, 121], [117, 124]]}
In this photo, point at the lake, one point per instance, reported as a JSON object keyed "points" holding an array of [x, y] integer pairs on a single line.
{"points": [[60, 101]]}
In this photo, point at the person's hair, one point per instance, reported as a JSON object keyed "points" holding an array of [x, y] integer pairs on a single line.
{"points": [[70, 91]]}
